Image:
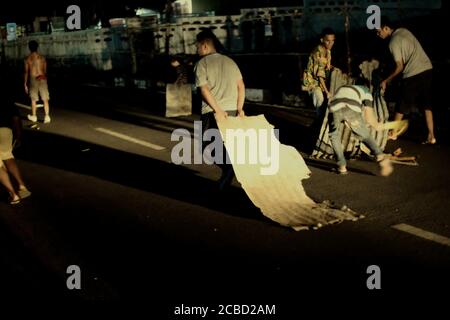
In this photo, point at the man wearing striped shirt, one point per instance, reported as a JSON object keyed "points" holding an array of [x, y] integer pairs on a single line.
{"points": [[348, 105]]}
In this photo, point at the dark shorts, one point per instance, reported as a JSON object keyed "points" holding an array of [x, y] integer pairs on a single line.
{"points": [[416, 91]]}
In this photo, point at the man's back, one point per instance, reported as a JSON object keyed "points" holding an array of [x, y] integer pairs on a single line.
{"points": [[221, 74], [36, 64], [351, 96], [405, 47]]}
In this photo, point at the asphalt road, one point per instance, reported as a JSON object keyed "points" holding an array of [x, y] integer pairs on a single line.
{"points": [[107, 199]]}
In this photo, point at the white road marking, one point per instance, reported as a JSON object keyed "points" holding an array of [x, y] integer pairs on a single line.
{"points": [[181, 123], [131, 139], [423, 234], [24, 106]]}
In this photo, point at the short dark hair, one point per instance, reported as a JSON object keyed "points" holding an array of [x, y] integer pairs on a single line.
{"points": [[327, 31], [207, 35], [33, 45], [386, 22], [361, 81]]}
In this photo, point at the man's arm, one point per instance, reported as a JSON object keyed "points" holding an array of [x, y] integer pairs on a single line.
{"points": [[44, 65], [324, 88], [398, 69], [211, 101], [370, 118], [25, 76], [241, 97], [321, 73]]}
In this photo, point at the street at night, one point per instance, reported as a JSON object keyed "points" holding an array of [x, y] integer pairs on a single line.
{"points": [[138, 225], [112, 218]]}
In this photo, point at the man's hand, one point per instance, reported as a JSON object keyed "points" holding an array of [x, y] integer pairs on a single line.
{"points": [[379, 126], [241, 113], [383, 85], [221, 115]]}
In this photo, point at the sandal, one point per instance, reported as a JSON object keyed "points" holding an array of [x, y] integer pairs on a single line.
{"points": [[340, 171], [14, 200], [432, 141], [24, 193]]}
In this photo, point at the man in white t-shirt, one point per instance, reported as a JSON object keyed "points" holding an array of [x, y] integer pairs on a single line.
{"points": [[222, 89], [412, 61]]}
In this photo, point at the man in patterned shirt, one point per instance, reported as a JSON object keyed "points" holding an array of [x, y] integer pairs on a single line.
{"points": [[318, 69]]}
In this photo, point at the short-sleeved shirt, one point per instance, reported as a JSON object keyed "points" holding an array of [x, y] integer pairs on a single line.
{"points": [[353, 97], [406, 48], [221, 74], [319, 63]]}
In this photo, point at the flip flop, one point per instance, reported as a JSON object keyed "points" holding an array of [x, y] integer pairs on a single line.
{"points": [[14, 201], [24, 193], [340, 172], [433, 141]]}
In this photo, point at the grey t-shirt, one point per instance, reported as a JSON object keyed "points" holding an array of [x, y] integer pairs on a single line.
{"points": [[221, 74], [406, 48]]}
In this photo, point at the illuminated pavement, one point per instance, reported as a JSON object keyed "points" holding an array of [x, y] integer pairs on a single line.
{"points": [[106, 198]]}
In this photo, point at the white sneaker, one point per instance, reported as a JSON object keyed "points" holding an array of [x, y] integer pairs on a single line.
{"points": [[47, 119], [32, 118]]}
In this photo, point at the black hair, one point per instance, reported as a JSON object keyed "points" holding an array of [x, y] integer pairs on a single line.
{"points": [[387, 22], [208, 35], [33, 45], [175, 58], [327, 31], [361, 81]]}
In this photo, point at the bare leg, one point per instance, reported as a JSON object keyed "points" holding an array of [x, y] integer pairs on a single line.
{"points": [[33, 117], [13, 169], [430, 125], [33, 108], [46, 108], [4, 179]]}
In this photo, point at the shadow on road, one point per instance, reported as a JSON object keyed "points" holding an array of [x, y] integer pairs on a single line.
{"points": [[135, 171]]}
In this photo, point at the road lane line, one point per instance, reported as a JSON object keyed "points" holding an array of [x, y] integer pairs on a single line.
{"points": [[423, 234], [181, 123], [24, 106], [130, 139]]}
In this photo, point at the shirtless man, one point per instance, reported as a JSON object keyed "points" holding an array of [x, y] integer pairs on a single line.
{"points": [[36, 69]]}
